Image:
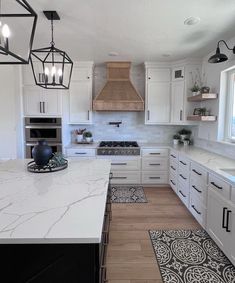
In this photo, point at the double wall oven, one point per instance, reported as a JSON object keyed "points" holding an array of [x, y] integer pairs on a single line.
{"points": [[37, 128]]}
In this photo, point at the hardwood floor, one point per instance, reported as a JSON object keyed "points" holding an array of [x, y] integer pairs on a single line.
{"points": [[130, 257]]}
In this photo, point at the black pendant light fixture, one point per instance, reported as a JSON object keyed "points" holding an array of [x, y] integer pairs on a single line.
{"points": [[220, 57], [17, 28], [52, 67]]}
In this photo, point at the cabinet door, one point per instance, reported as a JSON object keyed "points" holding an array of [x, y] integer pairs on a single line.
{"points": [[32, 101], [216, 219], [158, 75], [158, 103], [52, 102], [232, 233], [177, 102], [82, 74], [80, 102]]}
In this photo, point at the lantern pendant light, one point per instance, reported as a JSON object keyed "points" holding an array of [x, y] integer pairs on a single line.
{"points": [[52, 67], [15, 43]]}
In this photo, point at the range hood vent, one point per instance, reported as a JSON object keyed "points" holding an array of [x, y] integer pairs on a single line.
{"points": [[118, 93]]}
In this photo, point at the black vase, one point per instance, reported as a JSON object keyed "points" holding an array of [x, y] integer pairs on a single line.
{"points": [[42, 153]]}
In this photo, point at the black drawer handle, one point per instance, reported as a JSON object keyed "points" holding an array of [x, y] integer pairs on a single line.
{"points": [[154, 177], [199, 174], [172, 167], [195, 188], [80, 152], [110, 176], [227, 222], [183, 177], [218, 187], [154, 153], [172, 155], [118, 163], [182, 194], [183, 162], [198, 212], [154, 164], [173, 183], [223, 218], [119, 178]]}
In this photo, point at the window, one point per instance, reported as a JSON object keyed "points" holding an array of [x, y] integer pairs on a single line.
{"points": [[230, 107]]}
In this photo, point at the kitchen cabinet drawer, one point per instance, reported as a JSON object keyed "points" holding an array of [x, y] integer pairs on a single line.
{"points": [[233, 194], [153, 152], [198, 189], [183, 193], [126, 177], [198, 210], [220, 186], [80, 152], [159, 75], [184, 163], [150, 164], [173, 166], [197, 172], [173, 182], [174, 155], [154, 177], [183, 176], [122, 165]]}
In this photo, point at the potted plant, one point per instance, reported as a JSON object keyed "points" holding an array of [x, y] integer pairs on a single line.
{"points": [[186, 141], [79, 134], [88, 136], [184, 133], [176, 139], [195, 89]]}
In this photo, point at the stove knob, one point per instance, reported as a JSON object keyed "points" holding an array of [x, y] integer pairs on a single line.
{"points": [[128, 152], [115, 152], [109, 152], [103, 151]]}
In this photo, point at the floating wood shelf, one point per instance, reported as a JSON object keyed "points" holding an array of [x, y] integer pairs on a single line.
{"points": [[201, 118], [202, 97]]}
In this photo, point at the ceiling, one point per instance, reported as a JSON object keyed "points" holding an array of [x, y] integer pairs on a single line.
{"points": [[138, 30]]}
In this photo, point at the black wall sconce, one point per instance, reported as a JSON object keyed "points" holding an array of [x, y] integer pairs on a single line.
{"points": [[220, 57]]}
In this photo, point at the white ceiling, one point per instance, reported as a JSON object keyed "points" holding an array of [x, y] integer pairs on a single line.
{"points": [[138, 30]]}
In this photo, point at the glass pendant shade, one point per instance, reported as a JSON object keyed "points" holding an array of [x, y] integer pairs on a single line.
{"points": [[17, 28], [52, 67]]}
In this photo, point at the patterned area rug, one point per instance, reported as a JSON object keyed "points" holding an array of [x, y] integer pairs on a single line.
{"points": [[190, 256], [127, 194]]}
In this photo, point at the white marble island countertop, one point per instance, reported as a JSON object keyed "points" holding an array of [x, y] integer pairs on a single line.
{"points": [[60, 207]]}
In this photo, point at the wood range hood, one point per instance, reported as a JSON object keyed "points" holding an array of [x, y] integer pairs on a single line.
{"points": [[118, 93]]}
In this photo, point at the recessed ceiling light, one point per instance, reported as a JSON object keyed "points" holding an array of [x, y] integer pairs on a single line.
{"points": [[113, 53], [192, 21]]}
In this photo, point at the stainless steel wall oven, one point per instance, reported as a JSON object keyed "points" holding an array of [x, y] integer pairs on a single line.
{"points": [[37, 128]]}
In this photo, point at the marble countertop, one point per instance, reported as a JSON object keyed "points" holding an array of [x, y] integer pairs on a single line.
{"points": [[61, 207]]}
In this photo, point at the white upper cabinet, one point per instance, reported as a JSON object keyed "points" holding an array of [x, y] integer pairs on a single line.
{"points": [[39, 102], [158, 91], [177, 101], [80, 94]]}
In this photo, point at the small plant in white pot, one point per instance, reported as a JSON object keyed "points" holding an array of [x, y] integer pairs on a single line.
{"points": [[176, 139], [186, 141], [88, 136], [184, 133], [79, 134]]}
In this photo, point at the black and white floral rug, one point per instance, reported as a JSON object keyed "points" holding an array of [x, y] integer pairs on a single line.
{"points": [[127, 194], [190, 256]]}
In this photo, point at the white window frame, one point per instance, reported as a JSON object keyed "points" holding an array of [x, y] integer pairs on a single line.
{"points": [[230, 99]]}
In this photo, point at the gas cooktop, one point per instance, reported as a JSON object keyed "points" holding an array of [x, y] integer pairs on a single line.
{"points": [[118, 148]]}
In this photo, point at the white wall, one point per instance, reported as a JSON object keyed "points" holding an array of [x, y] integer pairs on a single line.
{"points": [[132, 127], [208, 132], [10, 112]]}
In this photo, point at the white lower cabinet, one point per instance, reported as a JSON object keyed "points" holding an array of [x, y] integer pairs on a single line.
{"points": [[173, 181], [126, 177], [198, 209], [155, 166], [183, 193]]}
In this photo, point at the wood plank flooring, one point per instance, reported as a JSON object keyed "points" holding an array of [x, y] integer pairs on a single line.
{"points": [[130, 257]]}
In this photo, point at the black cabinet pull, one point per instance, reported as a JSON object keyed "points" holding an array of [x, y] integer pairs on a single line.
{"points": [[119, 178], [118, 163], [218, 187], [173, 183], [172, 167], [182, 162], [173, 156], [199, 174], [154, 177], [80, 153], [183, 177], [227, 222], [223, 218], [154, 164], [198, 212], [154, 153], [195, 188], [182, 194]]}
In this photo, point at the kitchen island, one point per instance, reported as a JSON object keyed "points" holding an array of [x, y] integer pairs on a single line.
{"points": [[52, 225]]}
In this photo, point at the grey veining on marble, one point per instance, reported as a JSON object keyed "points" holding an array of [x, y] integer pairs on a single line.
{"points": [[61, 207]]}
